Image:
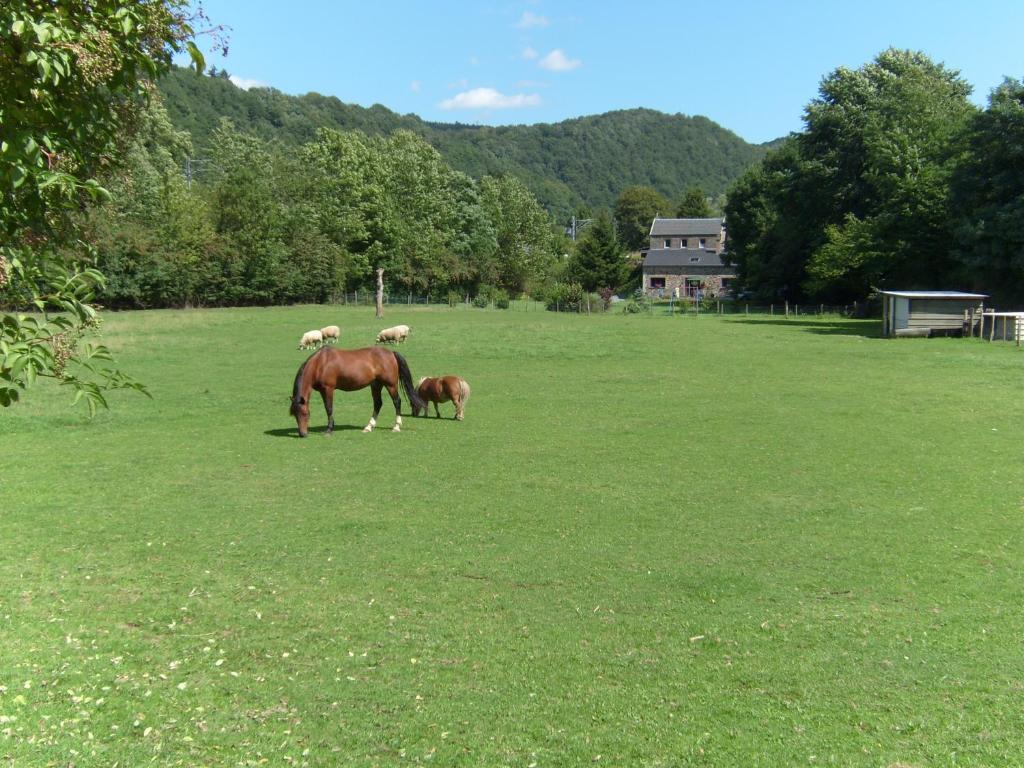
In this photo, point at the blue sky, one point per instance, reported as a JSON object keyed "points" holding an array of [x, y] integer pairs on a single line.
{"points": [[749, 66]]}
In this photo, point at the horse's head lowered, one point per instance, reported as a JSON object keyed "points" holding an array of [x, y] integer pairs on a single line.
{"points": [[300, 410]]}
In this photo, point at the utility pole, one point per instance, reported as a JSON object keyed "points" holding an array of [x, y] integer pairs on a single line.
{"points": [[577, 225]]}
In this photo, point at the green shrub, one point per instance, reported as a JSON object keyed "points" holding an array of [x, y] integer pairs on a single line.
{"points": [[637, 304], [565, 297], [480, 301]]}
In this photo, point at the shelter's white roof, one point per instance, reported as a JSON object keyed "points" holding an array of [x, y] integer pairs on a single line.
{"points": [[935, 294]]}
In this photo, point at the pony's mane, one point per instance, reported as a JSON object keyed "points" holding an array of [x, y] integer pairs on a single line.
{"points": [[420, 382]]}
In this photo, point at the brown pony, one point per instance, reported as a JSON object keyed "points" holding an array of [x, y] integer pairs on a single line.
{"points": [[329, 369], [441, 390]]}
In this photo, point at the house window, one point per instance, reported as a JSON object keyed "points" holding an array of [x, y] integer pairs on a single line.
{"points": [[703, 242], [668, 242], [682, 242], [657, 282], [694, 259]]}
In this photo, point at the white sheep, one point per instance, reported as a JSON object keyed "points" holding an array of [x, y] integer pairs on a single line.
{"points": [[311, 339], [331, 333], [394, 335]]}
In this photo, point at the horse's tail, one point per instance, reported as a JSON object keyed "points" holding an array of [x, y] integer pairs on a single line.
{"points": [[406, 378], [465, 390]]}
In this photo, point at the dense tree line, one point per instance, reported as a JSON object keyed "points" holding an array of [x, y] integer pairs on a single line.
{"points": [[266, 223], [897, 180], [579, 163]]}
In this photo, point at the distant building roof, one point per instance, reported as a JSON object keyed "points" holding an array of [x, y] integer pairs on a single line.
{"points": [[662, 227], [683, 257], [935, 294]]}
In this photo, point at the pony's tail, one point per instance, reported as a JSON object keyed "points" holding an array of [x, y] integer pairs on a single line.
{"points": [[406, 378], [464, 386]]}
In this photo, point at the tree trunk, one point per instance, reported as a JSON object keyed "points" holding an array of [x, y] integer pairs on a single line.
{"points": [[380, 292]]}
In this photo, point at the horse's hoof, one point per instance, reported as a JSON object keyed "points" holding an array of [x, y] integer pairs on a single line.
{"points": [[396, 428], [367, 430]]}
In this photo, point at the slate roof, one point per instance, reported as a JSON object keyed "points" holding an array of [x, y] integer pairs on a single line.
{"points": [[683, 257], [685, 227]]}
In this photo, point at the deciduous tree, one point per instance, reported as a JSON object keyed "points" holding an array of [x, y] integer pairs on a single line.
{"points": [[74, 74]]}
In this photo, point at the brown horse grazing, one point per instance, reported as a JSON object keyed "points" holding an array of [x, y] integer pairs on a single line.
{"points": [[441, 390], [329, 369]]}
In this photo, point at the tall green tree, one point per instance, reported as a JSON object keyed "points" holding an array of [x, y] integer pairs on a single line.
{"points": [[694, 205], [988, 194], [599, 261], [635, 209], [859, 198], [522, 229], [74, 75]]}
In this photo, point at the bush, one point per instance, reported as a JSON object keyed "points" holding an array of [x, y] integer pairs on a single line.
{"points": [[637, 304], [501, 300], [565, 297], [480, 301]]}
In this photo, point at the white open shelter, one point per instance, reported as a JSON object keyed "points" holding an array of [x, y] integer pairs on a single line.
{"points": [[923, 313]]}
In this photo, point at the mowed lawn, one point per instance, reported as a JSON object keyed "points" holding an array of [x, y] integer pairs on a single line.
{"points": [[654, 541]]}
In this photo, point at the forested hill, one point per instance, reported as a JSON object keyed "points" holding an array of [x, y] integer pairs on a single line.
{"points": [[587, 161]]}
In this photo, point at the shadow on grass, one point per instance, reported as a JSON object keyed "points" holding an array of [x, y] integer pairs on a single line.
{"points": [[294, 431], [828, 327]]}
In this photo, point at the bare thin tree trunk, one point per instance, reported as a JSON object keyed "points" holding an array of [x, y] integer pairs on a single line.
{"points": [[380, 292]]}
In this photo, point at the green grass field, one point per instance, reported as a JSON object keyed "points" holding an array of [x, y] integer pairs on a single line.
{"points": [[654, 541]]}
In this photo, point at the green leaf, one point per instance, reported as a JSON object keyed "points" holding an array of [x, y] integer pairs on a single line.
{"points": [[198, 60], [18, 27]]}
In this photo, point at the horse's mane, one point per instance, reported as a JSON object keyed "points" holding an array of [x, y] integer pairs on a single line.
{"points": [[298, 385]]}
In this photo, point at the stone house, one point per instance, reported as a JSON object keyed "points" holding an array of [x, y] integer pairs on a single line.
{"points": [[683, 255]]}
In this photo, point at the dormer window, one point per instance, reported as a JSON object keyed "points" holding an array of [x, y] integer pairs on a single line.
{"points": [[703, 242], [668, 242], [694, 259], [682, 242]]}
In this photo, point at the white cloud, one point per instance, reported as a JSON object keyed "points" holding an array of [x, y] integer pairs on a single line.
{"points": [[530, 53], [415, 86], [489, 98], [530, 20], [557, 61], [245, 83]]}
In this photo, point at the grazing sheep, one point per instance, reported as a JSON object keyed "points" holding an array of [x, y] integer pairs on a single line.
{"points": [[393, 335], [331, 333], [311, 339]]}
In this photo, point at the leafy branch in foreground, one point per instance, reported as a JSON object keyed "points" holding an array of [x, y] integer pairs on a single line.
{"points": [[75, 75]]}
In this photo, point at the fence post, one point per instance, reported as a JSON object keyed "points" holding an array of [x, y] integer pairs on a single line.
{"points": [[746, 310], [787, 307], [771, 310]]}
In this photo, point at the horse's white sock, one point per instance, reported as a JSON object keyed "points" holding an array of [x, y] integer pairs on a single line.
{"points": [[398, 424], [369, 427]]}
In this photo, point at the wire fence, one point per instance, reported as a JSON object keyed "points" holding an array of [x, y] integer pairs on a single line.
{"points": [[594, 305]]}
